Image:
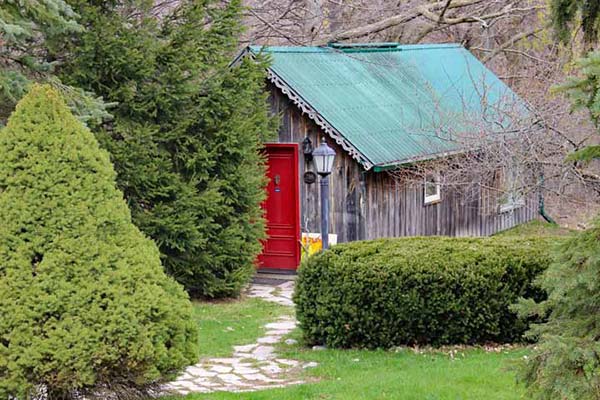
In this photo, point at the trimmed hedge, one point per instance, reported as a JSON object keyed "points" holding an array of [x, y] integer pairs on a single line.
{"points": [[424, 290]]}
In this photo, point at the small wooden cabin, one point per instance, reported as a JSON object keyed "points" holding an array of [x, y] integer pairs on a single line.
{"points": [[373, 104]]}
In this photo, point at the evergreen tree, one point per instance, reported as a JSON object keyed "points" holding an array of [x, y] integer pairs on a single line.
{"points": [[567, 15], [584, 92], [87, 310], [28, 25], [565, 364], [28, 30], [187, 131]]}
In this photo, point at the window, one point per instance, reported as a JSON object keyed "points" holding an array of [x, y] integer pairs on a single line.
{"points": [[432, 188], [511, 195]]}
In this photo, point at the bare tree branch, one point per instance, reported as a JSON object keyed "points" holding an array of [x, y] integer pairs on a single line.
{"points": [[387, 23], [511, 42]]}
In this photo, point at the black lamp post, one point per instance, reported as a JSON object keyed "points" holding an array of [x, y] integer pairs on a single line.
{"points": [[323, 157]]}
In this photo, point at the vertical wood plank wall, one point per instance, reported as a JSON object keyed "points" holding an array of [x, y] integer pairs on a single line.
{"points": [[370, 205]]}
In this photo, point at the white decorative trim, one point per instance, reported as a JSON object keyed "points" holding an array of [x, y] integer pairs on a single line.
{"points": [[319, 120]]}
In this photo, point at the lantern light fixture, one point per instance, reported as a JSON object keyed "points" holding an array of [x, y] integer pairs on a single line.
{"points": [[323, 157]]}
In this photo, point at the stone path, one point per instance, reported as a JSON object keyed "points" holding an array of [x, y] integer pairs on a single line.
{"points": [[251, 367], [280, 294]]}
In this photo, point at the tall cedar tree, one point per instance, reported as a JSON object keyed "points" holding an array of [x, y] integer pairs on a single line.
{"points": [[87, 310], [187, 132]]}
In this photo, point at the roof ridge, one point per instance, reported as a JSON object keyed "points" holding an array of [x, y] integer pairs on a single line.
{"points": [[353, 47]]}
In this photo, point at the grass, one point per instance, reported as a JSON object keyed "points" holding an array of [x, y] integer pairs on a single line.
{"points": [[225, 324], [469, 374], [536, 228]]}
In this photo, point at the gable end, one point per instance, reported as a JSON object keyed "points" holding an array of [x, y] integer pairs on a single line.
{"points": [[319, 120]]}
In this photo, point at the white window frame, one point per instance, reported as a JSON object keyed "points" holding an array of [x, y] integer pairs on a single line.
{"points": [[434, 198], [514, 197]]}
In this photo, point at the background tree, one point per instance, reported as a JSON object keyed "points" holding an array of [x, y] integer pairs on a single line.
{"points": [[28, 31], [187, 130], [87, 310], [567, 15], [584, 90]]}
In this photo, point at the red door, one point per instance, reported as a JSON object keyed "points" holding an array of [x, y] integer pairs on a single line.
{"points": [[281, 250]]}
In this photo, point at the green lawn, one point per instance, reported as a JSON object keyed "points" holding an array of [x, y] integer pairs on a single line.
{"points": [[225, 324], [355, 374], [536, 228]]}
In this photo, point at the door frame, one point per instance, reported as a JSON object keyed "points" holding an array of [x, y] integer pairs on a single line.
{"points": [[295, 149]]}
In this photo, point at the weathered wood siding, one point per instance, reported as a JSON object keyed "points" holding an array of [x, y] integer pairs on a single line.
{"points": [[369, 205]]}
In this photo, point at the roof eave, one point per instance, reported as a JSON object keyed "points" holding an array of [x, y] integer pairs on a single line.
{"points": [[428, 157], [313, 114], [246, 51]]}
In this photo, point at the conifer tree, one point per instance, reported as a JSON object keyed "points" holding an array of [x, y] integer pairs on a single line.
{"points": [[584, 92], [29, 30], [567, 15], [28, 25], [565, 363], [87, 310], [187, 131]]}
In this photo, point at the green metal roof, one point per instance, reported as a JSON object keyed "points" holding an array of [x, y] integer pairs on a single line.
{"points": [[389, 103]]}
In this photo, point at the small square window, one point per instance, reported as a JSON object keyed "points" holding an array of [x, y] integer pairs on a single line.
{"points": [[511, 196], [432, 188]]}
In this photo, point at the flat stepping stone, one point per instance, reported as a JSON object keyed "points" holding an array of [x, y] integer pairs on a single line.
{"points": [[269, 340], [221, 369], [277, 332], [189, 385], [259, 377], [291, 363], [198, 371], [245, 370], [186, 376], [225, 360], [245, 349], [287, 325], [205, 382], [245, 356], [263, 352], [271, 369], [287, 285], [232, 379]]}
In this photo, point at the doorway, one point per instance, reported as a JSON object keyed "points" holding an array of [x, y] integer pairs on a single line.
{"points": [[281, 249]]}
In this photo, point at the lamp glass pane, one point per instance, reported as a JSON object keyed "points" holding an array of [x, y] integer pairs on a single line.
{"points": [[329, 165], [319, 162]]}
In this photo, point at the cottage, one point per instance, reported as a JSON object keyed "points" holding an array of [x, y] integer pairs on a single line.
{"points": [[381, 107]]}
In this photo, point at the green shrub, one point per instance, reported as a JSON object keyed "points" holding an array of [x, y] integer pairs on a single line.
{"points": [[87, 310], [425, 290]]}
